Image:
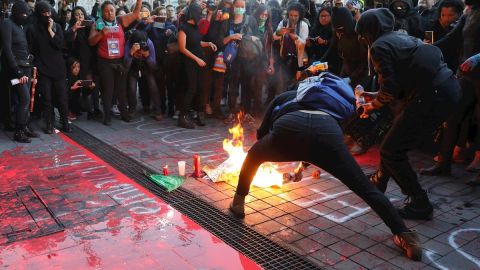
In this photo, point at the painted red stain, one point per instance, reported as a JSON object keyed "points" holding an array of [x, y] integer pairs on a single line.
{"points": [[110, 222]]}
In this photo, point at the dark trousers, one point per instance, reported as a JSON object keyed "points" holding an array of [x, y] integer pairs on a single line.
{"points": [[161, 77], [317, 139], [176, 82], [195, 74], [453, 129], [416, 123], [151, 85], [113, 80], [53, 89], [21, 101]]}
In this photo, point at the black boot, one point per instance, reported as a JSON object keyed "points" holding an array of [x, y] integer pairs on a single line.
{"points": [[49, 128], [184, 122], [107, 119], [380, 180], [443, 168], [201, 119], [66, 127], [418, 206], [30, 133], [21, 137]]}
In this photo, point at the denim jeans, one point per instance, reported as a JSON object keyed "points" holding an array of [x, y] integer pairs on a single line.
{"points": [[316, 139]]}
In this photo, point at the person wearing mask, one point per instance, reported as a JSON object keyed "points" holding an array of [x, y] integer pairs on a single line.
{"points": [[323, 146], [414, 73], [140, 61], [108, 35], [293, 33], [320, 35], [190, 45], [356, 8], [16, 61], [465, 37], [427, 12], [46, 42], [407, 18]]}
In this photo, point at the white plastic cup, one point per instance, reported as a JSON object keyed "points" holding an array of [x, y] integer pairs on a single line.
{"points": [[181, 168]]}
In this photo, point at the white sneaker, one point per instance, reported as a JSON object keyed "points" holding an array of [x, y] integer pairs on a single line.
{"points": [[115, 110]]}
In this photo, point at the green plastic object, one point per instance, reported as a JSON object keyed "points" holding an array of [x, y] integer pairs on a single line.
{"points": [[170, 183]]}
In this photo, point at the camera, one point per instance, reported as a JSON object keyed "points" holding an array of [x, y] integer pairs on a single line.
{"points": [[143, 46], [211, 5]]}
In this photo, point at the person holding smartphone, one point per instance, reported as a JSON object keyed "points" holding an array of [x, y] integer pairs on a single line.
{"points": [[107, 34], [18, 65]]}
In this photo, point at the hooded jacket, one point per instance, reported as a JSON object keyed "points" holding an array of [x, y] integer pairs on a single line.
{"points": [[464, 37], [353, 54], [411, 22], [404, 64]]}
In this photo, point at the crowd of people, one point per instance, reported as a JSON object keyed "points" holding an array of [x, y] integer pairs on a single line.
{"points": [[418, 62]]}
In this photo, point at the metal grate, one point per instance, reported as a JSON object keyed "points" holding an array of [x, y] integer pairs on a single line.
{"points": [[254, 245]]}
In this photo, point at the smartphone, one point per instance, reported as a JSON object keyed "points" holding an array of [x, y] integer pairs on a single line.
{"points": [[86, 83], [289, 30], [87, 23], [160, 19], [144, 14], [429, 36]]}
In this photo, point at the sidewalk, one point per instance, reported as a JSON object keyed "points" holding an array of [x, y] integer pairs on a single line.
{"points": [[61, 207], [320, 220]]}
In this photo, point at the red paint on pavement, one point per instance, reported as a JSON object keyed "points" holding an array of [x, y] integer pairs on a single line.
{"points": [[110, 222]]}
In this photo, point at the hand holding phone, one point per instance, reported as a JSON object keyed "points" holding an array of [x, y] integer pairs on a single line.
{"points": [[87, 23], [429, 36]]}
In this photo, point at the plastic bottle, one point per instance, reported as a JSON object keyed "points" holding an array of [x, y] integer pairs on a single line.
{"points": [[360, 100]]}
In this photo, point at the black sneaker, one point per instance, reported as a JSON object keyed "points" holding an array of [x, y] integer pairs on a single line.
{"points": [[410, 244], [30, 133], [184, 122], [416, 209], [21, 137]]}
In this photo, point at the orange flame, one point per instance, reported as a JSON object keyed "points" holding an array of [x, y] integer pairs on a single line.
{"points": [[267, 175]]}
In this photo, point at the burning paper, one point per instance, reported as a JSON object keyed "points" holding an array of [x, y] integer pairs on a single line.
{"points": [[267, 175]]}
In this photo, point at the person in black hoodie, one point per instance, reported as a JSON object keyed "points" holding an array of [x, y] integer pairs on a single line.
{"points": [[16, 61], [46, 42], [320, 35], [345, 44], [415, 73], [407, 18], [466, 38]]}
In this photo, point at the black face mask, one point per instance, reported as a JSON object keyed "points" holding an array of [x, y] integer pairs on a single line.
{"points": [[44, 20], [19, 13], [472, 2], [20, 19], [400, 13]]}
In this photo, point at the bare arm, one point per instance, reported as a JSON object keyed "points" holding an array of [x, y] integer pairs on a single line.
{"points": [[131, 17]]}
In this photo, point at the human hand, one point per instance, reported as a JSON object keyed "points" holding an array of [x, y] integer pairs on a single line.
{"points": [[23, 80], [365, 110]]}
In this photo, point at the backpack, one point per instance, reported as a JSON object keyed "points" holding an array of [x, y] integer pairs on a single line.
{"points": [[325, 92], [230, 52]]}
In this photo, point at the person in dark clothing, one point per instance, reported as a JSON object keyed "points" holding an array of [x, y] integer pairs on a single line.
{"points": [[140, 61], [428, 13], [407, 18], [321, 145], [413, 72], [449, 11], [320, 35], [190, 45], [346, 46], [16, 60], [46, 41], [466, 38]]}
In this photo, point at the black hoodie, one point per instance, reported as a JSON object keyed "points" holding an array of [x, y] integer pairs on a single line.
{"points": [[348, 48], [411, 22], [405, 65]]}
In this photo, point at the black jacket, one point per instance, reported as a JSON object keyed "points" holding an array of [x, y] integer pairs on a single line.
{"points": [[411, 22], [316, 51], [15, 46], [404, 64], [47, 50], [465, 37]]}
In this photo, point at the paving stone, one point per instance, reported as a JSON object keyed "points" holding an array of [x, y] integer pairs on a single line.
{"points": [[473, 248], [366, 259], [384, 252], [344, 248], [437, 247], [322, 223], [288, 207], [360, 241], [325, 238], [306, 229], [328, 256], [275, 200], [341, 232], [370, 218], [289, 220], [348, 265], [289, 196], [287, 235], [259, 205], [261, 194], [255, 218], [405, 263], [307, 246], [376, 234], [269, 227], [273, 212], [387, 266], [304, 215]]}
